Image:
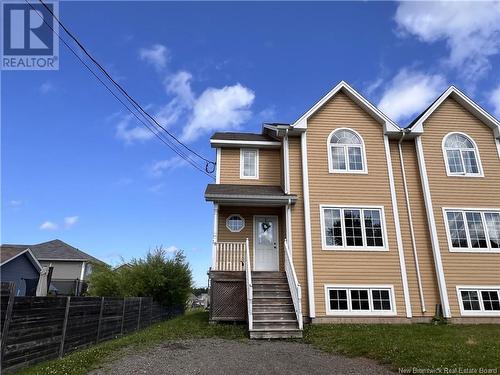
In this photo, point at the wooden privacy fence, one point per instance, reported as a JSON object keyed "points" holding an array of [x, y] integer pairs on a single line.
{"points": [[35, 329]]}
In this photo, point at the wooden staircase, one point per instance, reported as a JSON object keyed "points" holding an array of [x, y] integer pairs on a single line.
{"points": [[274, 315]]}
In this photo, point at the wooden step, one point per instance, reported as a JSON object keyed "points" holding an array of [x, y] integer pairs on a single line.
{"points": [[275, 333], [278, 308], [271, 293], [258, 300], [274, 315], [270, 287], [268, 275]]}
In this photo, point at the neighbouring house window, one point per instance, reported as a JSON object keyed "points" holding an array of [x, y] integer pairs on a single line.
{"points": [[475, 301], [235, 223], [461, 156], [249, 163], [352, 228], [352, 300], [346, 152], [470, 230]]}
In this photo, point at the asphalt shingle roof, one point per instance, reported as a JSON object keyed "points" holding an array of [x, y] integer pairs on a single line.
{"points": [[8, 252], [245, 190], [220, 136]]}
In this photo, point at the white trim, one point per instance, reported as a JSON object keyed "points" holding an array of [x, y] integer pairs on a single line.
{"points": [[215, 234], [242, 176], [347, 170], [478, 289], [412, 230], [397, 225], [307, 224], [277, 236], [497, 142], [34, 260], [286, 163], [476, 153], [326, 247], [369, 287], [218, 166], [451, 249], [467, 103], [432, 229], [227, 223], [245, 143], [288, 217], [389, 125]]}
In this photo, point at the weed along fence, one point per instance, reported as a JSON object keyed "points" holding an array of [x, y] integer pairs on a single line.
{"points": [[35, 329]]}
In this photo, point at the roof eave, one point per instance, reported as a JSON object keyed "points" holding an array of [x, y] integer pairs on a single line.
{"points": [[215, 143], [251, 199]]}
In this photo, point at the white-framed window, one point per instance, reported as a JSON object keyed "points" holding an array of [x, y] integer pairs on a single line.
{"points": [[472, 230], [235, 223], [353, 228], [249, 163], [479, 300], [346, 152], [359, 299], [461, 156]]}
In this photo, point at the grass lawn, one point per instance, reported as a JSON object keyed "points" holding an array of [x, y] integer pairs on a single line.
{"points": [[192, 325], [398, 346], [413, 345]]}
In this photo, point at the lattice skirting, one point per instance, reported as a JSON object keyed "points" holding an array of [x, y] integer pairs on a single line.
{"points": [[227, 299]]}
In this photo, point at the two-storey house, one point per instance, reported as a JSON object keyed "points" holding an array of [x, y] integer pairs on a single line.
{"points": [[343, 216]]}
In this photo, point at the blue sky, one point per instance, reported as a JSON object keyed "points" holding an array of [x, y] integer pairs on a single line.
{"points": [[76, 167]]}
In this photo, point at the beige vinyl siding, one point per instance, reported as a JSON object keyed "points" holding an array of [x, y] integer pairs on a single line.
{"points": [[421, 230], [466, 192], [269, 167], [350, 267], [248, 214], [298, 228]]}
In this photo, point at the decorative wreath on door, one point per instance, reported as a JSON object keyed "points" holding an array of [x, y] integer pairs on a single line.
{"points": [[265, 226]]}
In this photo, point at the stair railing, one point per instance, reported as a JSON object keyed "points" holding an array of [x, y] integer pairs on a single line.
{"points": [[248, 277], [294, 285]]}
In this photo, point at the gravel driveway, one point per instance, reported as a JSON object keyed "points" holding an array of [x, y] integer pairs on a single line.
{"points": [[226, 357]]}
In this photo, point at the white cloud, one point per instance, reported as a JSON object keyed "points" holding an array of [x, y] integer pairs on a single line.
{"points": [[49, 225], [409, 93], [158, 168], [46, 87], [130, 133], [470, 29], [495, 100], [14, 203], [171, 249], [157, 55], [70, 221], [219, 109]]}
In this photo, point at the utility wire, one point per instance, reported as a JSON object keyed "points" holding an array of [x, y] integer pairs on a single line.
{"points": [[103, 70], [148, 126]]}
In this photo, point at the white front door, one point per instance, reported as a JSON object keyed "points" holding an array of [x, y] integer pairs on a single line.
{"points": [[265, 241]]}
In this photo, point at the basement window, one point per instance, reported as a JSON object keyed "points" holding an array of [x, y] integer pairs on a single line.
{"points": [[359, 300], [483, 301]]}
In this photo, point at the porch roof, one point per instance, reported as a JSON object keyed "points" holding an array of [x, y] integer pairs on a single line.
{"points": [[248, 194]]}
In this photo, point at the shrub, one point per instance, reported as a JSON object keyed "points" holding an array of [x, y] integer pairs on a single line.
{"points": [[167, 280]]}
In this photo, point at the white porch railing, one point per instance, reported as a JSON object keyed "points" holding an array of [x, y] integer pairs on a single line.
{"points": [[293, 283], [228, 256], [248, 277]]}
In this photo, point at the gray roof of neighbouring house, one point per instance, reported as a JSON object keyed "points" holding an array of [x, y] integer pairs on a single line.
{"points": [[9, 252], [243, 137], [56, 250], [219, 192]]}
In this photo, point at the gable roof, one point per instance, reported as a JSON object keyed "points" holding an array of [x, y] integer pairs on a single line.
{"points": [[389, 125], [9, 253], [57, 250], [232, 139], [416, 125]]}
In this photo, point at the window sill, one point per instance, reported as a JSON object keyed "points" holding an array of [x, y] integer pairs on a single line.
{"points": [[484, 314], [465, 175], [332, 171], [352, 314], [248, 178], [357, 249], [474, 251]]}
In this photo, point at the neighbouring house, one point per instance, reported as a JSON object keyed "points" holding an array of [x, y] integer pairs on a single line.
{"points": [[19, 265], [71, 266], [343, 216]]}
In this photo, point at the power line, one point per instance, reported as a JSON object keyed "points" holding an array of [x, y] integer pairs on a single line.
{"points": [[148, 126], [103, 70]]}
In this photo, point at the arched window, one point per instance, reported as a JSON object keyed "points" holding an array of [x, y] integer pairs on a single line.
{"points": [[346, 151], [461, 156]]}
